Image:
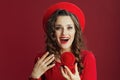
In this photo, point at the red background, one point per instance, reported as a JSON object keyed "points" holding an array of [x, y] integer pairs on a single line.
{"points": [[21, 35]]}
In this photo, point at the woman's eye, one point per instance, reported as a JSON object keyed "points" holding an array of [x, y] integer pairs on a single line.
{"points": [[57, 28], [70, 27]]}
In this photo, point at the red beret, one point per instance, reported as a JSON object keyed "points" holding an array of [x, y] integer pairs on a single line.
{"points": [[66, 6]]}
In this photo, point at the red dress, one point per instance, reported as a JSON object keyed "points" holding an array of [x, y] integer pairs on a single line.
{"points": [[89, 71]]}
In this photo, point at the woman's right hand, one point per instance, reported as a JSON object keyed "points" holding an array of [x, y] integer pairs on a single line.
{"points": [[42, 65]]}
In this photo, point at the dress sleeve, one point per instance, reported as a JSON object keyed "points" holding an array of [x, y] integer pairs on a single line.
{"points": [[89, 72]]}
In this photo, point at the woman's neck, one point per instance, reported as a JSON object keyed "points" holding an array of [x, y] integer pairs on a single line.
{"points": [[65, 50], [62, 51]]}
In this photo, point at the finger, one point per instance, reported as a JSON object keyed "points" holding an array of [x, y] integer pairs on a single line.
{"points": [[68, 71], [76, 68], [50, 61], [63, 73], [48, 58], [50, 66], [43, 57]]}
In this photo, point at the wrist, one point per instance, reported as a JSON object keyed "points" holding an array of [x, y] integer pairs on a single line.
{"points": [[30, 78], [33, 77]]}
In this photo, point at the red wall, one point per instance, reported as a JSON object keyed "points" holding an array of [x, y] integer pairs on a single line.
{"points": [[21, 35]]}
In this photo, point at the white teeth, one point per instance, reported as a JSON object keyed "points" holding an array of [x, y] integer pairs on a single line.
{"points": [[64, 39]]}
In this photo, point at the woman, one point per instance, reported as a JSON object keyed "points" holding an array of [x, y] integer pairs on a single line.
{"points": [[64, 24]]}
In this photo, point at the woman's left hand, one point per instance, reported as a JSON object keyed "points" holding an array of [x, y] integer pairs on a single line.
{"points": [[69, 75]]}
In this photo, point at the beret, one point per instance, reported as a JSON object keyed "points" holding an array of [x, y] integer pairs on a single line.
{"points": [[70, 7]]}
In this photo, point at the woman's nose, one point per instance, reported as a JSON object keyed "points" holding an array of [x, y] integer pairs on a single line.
{"points": [[64, 31]]}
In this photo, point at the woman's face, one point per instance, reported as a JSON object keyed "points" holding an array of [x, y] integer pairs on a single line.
{"points": [[64, 31]]}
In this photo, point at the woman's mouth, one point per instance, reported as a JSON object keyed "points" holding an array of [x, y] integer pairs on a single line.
{"points": [[64, 40]]}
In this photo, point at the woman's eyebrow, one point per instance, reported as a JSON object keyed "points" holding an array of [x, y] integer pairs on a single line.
{"points": [[57, 25], [69, 24]]}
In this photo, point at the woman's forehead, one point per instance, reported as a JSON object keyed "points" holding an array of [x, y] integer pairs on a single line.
{"points": [[64, 20]]}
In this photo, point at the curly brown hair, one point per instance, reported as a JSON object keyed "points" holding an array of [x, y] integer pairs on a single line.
{"points": [[52, 45]]}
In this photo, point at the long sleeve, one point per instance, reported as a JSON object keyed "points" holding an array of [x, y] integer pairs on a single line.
{"points": [[89, 72]]}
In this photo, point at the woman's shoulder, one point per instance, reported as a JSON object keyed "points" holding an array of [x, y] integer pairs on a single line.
{"points": [[89, 63], [87, 55]]}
